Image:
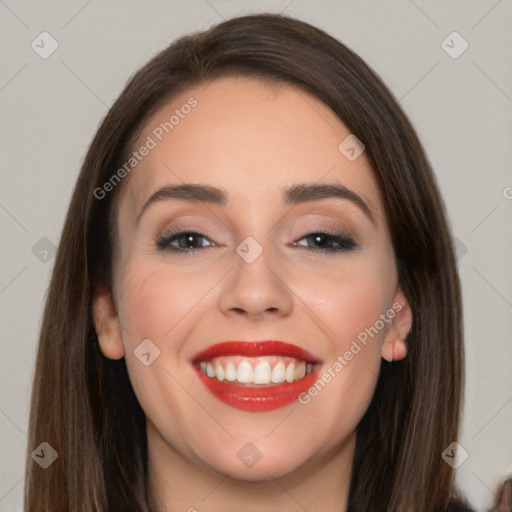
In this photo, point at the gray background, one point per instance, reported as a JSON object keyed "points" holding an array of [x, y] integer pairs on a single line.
{"points": [[461, 107]]}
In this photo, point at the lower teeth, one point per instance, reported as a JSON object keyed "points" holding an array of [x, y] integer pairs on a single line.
{"points": [[252, 385]]}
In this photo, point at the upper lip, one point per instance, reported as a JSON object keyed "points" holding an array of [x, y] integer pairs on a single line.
{"points": [[256, 349]]}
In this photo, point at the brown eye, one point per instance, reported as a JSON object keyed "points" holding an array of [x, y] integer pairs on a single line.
{"points": [[329, 242], [187, 242]]}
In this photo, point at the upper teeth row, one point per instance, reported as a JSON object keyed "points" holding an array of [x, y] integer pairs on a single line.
{"points": [[256, 370]]}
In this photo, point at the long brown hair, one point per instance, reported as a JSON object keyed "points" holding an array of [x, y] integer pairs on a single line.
{"points": [[83, 404]]}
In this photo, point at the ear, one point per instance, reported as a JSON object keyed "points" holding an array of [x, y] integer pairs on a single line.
{"points": [[394, 347], [107, 324]]}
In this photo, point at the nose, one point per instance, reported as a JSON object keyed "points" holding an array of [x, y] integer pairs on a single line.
{"points": [[256, 288]]}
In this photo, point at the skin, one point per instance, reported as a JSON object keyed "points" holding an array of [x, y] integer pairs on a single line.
{"points": [[252, 139]]}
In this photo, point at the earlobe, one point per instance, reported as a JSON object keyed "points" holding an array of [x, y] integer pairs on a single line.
{"points": [[107, 324], [394, 347], [394, 350]]}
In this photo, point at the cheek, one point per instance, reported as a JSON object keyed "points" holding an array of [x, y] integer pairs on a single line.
{"points": [[156, 299], [156, 304], [350, 301], [346, 382], [349, 305]]}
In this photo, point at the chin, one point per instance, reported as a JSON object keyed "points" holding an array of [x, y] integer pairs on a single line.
{"points": [[245, 461]]}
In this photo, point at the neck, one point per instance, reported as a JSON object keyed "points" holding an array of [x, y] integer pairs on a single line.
{"points": [[178, 485]]}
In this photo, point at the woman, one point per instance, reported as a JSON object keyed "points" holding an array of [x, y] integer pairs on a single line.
{"points": [[252, 371]]}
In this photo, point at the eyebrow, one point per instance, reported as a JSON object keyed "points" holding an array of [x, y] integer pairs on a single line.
{"points": [[292, 195]]}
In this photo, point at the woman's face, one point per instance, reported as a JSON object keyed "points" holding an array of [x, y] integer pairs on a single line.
{"points": [[314, 272]]}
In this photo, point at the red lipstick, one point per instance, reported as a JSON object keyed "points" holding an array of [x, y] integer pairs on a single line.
{"points": [[256, 349], [256, 399]]}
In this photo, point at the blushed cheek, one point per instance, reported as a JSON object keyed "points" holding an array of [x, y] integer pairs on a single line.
{"points": [[351, 311], [357, 318], [159, 303], [155, 303], [154, 300], [348, 304]]}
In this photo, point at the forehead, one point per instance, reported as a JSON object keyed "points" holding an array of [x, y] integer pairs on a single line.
{"points": [[251, 138]]}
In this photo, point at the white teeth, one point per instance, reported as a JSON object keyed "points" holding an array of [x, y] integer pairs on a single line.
{"points": [[262, 374], [219, 371], [262, 370], [244, 372], [230, 373], [300, 371], [290, 372], [278, 373]]}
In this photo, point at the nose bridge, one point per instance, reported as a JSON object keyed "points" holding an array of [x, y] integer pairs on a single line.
{"points": [[255, 285]]}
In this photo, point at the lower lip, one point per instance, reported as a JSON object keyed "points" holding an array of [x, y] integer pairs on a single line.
{"points": [[257, 399]]}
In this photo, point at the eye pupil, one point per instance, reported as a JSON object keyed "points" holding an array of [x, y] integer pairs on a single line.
{"points": [[319, 238], [329, 243], [189, 239]]}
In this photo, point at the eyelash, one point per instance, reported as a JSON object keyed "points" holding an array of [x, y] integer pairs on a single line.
{"points": [[345, 242]]}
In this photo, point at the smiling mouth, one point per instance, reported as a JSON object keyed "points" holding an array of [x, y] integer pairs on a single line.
{"points": [[261, 371], [256, 376]]}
